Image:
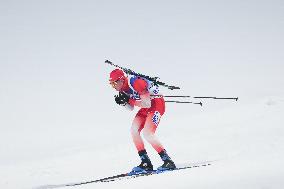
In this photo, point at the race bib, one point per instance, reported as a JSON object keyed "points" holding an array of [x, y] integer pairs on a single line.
{"points": [[156, 118]]}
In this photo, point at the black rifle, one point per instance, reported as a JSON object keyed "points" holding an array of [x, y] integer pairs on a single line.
{"points": [[153, 79]]}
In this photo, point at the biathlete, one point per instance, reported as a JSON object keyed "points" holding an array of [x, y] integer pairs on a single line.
{"points": [[138, 91]]}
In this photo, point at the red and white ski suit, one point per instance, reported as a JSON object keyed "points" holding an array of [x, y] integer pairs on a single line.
{"points": [[142, 94]]}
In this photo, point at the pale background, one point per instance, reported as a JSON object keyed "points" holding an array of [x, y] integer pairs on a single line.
{"points": [[58, 119]]}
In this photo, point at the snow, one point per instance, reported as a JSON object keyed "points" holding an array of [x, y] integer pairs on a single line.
{"points": [[246, 149], [58, 120]]}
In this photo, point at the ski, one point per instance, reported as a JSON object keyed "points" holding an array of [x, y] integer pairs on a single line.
{"points": [[154, 172], [125, 176]]}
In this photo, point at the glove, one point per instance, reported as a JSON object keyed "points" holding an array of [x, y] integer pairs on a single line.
{"points": [[118, 100], [121, 99]]}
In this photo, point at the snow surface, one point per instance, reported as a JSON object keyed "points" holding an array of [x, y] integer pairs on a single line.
{"points": [[246, 149], [58, 120]]}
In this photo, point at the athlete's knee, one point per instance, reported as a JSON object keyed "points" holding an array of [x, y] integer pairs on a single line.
{"points": [[148, 135], [134, 130]]}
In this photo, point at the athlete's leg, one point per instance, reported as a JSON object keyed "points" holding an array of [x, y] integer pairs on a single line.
{"points": [[151, 124], [137, 126]]}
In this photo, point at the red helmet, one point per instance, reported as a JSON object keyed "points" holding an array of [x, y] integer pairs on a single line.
{"points": [[116, 75]]}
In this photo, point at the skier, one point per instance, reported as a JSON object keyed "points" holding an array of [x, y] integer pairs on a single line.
{"points": [[138, 91]]}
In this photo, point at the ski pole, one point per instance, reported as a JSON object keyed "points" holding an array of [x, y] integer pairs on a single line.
{"points": [[218, 98], [204, 97], [184, 102], [179, 96]]}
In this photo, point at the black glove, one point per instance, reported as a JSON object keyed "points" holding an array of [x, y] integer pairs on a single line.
{"points": [[121, 99], [118, 100]]}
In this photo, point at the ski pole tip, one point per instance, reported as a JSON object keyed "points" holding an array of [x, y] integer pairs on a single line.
{"points": [[200, 103]]}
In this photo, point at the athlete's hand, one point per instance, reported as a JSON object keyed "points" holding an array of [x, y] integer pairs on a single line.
{"points": [[118, 100], [124, 97], [121, 99]]}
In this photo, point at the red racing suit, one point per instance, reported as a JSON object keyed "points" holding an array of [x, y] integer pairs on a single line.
{"points": [[144, 94]]}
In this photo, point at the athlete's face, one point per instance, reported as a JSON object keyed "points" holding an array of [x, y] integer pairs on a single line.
{"points": [[117, 85]]}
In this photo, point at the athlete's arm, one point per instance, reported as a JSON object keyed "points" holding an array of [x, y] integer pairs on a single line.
{"points": [[141, 87]]}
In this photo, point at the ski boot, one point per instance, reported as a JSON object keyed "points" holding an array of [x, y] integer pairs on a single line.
{"points": [[168, 162], [145, 166]]}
